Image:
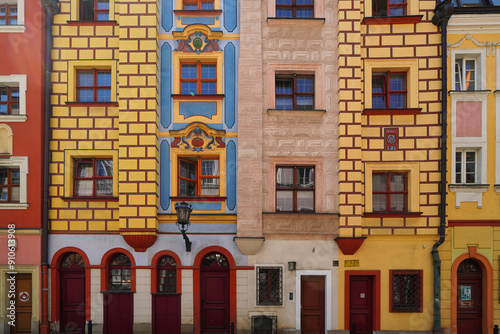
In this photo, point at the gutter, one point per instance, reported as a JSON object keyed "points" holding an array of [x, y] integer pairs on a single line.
{"points": [[51, 7], [443, 12]]}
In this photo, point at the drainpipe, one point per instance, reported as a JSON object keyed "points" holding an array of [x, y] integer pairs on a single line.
{"points": [[443, 12], [51, 7]]}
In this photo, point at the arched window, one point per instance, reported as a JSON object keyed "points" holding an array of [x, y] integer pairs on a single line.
{"points": [[167, 275], [120, 273], [214, 260], [72, 261]]}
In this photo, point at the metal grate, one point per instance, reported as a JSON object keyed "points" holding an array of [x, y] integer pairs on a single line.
{"points": [[269, 286], [406, 290], [263, 324]]}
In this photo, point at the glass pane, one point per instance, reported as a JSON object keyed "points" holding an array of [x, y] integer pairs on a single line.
{"points": [[470, 75], [396, 1], [378, 85], [379, 202], [85, 169], [305, 201], [471, 3], [207, 5], [189, 88], [305, 177], [190, 6], [305, 85], [3, 109], [379, 182], [85, 78], [4, 96], [115, 272], [14, 94], [379, 7], [304, 13], [104, 95], [284, 103], [284, 200], [304, 102], [284, 2], [102, 4], [14, 109], [208, 71], [398, 182], [398, 82], [4, 177], [83, 188], [3, 194], [304, 2], [87, 10], [13, 21], [398, 202], [85, 95], [284, 177], [15, 194], [209, 187], [104, 78], [458, 167], [284, 86], [188, 170], [102, 17], [398, 101], [458, 74], [15, 177], [104, 167], [209, 88], [397, 11], [210, 167], [188, 71], [284, 12], [104, 187], [187, 188]]}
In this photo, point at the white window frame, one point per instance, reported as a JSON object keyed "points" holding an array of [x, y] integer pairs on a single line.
{"points": [[462, 74], [497, 113], [16, 80], [477, 162], [479, 56], [22, 164], [19, 27], [270, 266]]}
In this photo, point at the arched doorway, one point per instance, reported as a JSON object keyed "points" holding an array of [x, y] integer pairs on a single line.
{"points": [[469, 297], [214, 293], [72, 293], [166, 300]]}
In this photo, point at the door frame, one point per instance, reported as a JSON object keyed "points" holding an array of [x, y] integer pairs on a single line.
{"points": [[328, 295], [376, 295], [487, 285]]}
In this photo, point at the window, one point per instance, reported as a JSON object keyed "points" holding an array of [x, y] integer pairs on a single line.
{"points": [[93, 177], [389, 7], [263, 324], [93, 85], [294, 188], [167, 275], [294, 92], [199, 78], [269, 286], [390, 192], [94, 10], [9, 100], [198, 176], [466, 162], [465, 74], [9, 185], [389, 90], [120, 273], [198, 4], [475, 3], [8, 14], [300, 9], [406, 294]]}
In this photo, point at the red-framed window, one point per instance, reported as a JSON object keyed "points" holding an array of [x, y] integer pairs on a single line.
{"points": [[120, 273], [199, 78], [389, 7], [198, 5], [269, 286], [9, 100], [93, 85], [406, 291], [295, 188], [8, 14], [300, 9], [93, 177], [389, 90], [9, 185], [167, 274], [294, 92], [94, 10], [198, 176], [390, 192]]}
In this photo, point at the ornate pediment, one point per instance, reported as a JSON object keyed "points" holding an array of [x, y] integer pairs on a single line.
{"points": [[198, 137], [197, 42]]}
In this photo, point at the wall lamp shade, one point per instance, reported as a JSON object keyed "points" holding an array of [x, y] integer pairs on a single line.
{"points": [[292, 266], [183, 210]]}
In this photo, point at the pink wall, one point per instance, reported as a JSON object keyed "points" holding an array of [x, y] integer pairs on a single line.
{"points": [[469, 122], [28, 249]]}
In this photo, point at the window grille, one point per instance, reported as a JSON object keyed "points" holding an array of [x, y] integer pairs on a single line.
{"points": [[269, 286], [406, 290], [264, 324]]}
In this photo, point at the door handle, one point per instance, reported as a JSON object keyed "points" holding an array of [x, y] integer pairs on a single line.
{"points": [[202, 301]]}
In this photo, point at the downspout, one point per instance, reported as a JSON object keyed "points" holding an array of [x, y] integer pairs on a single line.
{"points": [[443, 12], [51, 7]]}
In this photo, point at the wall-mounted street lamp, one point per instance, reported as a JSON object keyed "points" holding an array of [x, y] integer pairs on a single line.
{"points": [[292, 266], [183, 210]]}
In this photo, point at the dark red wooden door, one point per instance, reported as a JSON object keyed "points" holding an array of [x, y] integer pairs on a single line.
{"points": [[214, 291], [72, 305], [469, 297], [167, 313], [312, 296], [118, 313], [361, 304], [24, 304]]}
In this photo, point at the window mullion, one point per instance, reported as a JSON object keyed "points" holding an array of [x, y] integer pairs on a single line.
{"points": [[388, 191], [94, 177]]}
